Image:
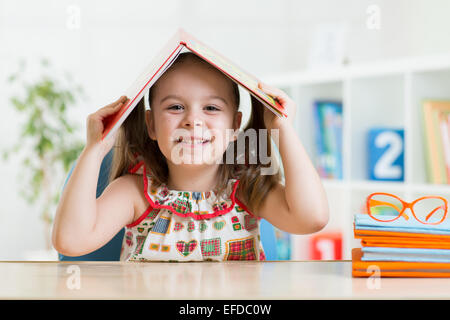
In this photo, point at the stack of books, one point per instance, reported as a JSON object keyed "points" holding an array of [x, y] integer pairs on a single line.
{"points": [[401, 248], [436, 115]]}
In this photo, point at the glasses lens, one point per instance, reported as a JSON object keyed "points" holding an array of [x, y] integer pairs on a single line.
{"points": [[430, 210], [384, 207]]}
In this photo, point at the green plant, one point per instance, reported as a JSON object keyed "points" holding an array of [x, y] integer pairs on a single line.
{"points": [[47, 142]]}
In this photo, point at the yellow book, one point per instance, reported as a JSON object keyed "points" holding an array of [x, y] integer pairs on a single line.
{"points": [[433, 145], [442, 178]]}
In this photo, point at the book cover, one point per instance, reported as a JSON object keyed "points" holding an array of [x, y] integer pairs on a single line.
{"points": [[429, 144], [447, 146], [362, 268], [440, 157], [433, 154], [328, 119], [283, 244], [180, 42], [445, 138], [320, 149]]}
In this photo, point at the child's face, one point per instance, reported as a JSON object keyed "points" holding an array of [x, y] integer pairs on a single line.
{"points": [[193, 114]]}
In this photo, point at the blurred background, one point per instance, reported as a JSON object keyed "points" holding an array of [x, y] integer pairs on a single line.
{"points": [[73, 57]]}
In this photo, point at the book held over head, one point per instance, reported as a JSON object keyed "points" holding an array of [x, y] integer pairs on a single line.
{"points": [[179, 43]]}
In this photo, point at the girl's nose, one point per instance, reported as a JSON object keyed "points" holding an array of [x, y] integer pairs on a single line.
{"points": [[192, 120]]}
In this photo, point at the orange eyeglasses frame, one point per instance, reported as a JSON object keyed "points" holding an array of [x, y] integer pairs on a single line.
{"points": [[371, 202]]}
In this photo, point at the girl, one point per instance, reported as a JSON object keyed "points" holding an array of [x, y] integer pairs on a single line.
{"points": [[177, 209]]}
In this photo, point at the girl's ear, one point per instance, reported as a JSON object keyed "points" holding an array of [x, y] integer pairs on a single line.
{"points": [[237, 123], [150, 124], [237, 120]]}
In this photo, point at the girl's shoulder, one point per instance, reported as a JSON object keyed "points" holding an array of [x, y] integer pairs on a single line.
{"points": [[133, 183]]}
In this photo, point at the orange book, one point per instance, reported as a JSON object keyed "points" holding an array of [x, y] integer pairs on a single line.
{"points": [[183, 42], [397, 269], [398, 242], [375, 233]]}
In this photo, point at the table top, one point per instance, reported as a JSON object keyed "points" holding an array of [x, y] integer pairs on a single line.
{"points": [[206, 280]]}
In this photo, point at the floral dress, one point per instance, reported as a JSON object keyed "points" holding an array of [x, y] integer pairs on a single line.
{"points": [[191, 226]]}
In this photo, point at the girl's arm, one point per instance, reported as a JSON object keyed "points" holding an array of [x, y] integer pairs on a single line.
{"points": [[300, 206], [82, 222]]}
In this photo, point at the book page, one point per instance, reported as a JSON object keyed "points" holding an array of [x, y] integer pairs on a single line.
{"points": [[233, 71]]}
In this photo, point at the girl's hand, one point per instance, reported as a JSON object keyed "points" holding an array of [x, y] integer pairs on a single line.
{"points": [[95, 126], [271, 120]]}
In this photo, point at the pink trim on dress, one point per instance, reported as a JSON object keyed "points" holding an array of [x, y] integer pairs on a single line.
{"points": [[142, 217], [189, 214], [246, 209], [136, 167]]}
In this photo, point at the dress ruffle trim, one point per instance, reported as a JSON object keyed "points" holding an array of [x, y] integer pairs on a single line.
{"points": [[212, 205], [197, 205]]}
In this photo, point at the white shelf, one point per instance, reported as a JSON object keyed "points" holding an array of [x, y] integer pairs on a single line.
{"points": [[362, 70], [384, 94]]}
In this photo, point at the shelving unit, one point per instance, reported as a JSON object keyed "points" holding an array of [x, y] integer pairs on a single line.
{"points": [[387, 94]]}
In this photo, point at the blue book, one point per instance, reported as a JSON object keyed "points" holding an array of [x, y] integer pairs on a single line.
{"points": [[328, 121]]}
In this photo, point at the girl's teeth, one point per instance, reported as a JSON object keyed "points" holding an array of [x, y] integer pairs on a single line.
{"points": [[193, 141]]}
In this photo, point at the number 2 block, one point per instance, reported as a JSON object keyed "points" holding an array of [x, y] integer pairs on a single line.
{"points": [[386, 154]]}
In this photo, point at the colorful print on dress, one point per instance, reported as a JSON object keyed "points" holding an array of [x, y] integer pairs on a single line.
{"points": [[191, 226], [250, 222], [211, 247], [152, 214], [129, 238], [186, 248], [139, 244], [236, 225], [162, 225], [241, 249], [196, 196], [218, 225], [262, 256], [178, 226], [219, 206], [164, 192], [203, 226], [157, 247], [181, 205], [184, 195]]}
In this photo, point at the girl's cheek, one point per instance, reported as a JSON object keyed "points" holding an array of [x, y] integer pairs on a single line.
{"points": [[166, 124]]}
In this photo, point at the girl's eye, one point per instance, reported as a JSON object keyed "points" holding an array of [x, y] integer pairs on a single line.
{"points": [[212, 108], [176, 107]]}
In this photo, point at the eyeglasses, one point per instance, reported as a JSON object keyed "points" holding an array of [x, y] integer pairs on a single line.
{"points": [[386, 207]]}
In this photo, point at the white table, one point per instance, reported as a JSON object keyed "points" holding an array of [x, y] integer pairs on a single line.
{"points": [[206, 280]]}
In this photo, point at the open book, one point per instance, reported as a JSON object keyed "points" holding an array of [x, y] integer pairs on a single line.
{"points": [[181, 42]]}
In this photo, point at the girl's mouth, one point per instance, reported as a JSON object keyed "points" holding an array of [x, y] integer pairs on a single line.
{"points": [[193, 142]]}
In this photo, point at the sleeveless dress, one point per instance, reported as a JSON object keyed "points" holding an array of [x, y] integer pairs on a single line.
{"points": [[191, 226]]}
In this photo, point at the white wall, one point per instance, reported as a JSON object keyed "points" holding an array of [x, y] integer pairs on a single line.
{"points": [[116, 39]]}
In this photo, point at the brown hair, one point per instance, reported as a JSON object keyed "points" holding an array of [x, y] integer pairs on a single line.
{"points": [[133, 139]]}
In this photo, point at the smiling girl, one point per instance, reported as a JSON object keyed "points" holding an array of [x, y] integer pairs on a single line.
{"points": [[172, 185]]}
